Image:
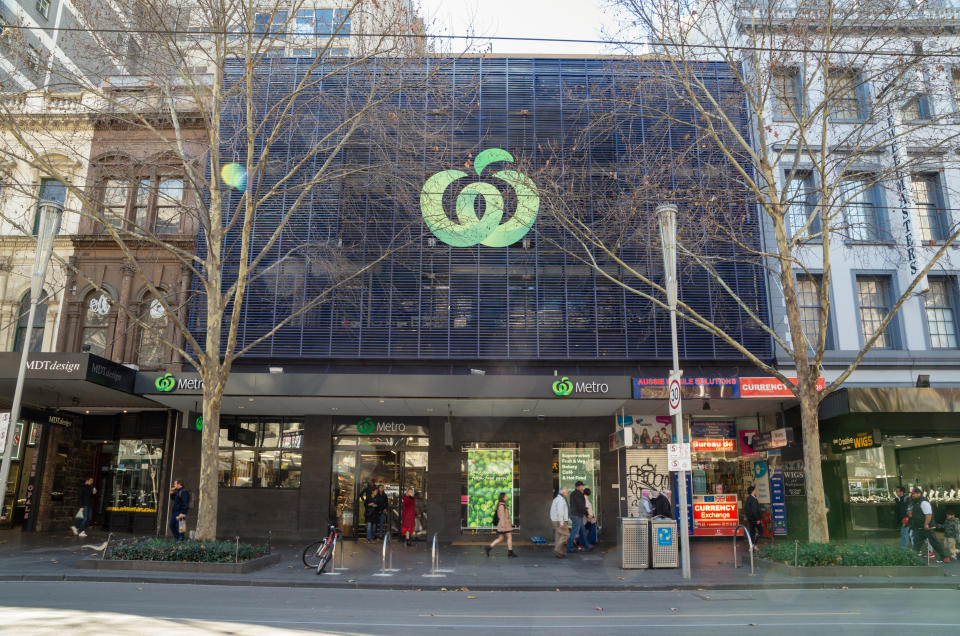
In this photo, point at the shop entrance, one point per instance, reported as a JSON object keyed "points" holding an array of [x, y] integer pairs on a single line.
{"points": [[396, 462]]}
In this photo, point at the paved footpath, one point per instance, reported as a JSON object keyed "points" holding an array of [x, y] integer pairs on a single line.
{"points": [[52, 557]]}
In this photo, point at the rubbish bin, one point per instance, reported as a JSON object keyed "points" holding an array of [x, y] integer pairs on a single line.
{"points": [[663, 543], [635, 543]]}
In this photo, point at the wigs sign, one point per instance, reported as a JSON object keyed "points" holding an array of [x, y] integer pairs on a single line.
{"points": [[469, 229]]}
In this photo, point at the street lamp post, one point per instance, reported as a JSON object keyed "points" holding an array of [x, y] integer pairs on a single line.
{"points": [[51, 213], [667, 219]]}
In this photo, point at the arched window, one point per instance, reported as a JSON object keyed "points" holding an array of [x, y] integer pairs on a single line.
{"points": [[152, 347], [96, 322], [39, 320]]}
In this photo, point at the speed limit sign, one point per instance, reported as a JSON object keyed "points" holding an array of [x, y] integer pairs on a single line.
{"points": [[674, 396]]}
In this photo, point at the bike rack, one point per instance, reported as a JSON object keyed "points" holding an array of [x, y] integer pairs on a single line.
{"points": [[340, 545], [384, 570], [435, 570], [337, 543], [746, 533]]}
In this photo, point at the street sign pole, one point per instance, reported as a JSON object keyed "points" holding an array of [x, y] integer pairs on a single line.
{"points": [[667, 219]]}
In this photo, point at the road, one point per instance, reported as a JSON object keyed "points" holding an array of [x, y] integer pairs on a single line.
{"points": [[136, 608]]}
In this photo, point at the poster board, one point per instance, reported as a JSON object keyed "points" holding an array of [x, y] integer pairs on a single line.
{"points": [[489, 473]]}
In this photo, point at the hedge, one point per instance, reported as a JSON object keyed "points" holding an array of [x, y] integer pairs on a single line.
{"points": [[849, 554], [188, 550]]}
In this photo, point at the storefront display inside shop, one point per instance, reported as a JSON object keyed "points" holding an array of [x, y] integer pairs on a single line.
{"points": [[881, 463], [396, 462], [22, 457], [129, 488]]}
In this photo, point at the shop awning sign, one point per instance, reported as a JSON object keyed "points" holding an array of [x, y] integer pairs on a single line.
{"points": [[714, 445], [856, 441], [769, 387]]}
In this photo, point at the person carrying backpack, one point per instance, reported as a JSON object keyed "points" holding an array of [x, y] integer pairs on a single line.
{"points": [[501, 519], [181, 502]]}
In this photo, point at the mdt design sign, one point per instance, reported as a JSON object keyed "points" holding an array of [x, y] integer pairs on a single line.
{"points": [[470, 230], [565, 386]]}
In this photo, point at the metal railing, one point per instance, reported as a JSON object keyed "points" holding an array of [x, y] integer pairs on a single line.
{"points": [[385, 554], [746, 533]]}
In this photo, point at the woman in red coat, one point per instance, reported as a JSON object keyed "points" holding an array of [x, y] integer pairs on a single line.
{"points": [[408, 523]]}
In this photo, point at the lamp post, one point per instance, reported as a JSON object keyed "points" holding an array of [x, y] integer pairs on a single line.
{"points": [[51, 213], [667, 220]]}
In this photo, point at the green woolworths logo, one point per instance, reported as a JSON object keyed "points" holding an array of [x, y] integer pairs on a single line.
{"points": [[563, 387], [366, 426], [165, 382], [470, 230]]}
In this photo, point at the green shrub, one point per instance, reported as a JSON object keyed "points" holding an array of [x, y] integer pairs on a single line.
{"points": [[189, 550], [849, 554]]}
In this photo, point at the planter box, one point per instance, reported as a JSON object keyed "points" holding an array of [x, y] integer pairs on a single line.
{"points": [[891, 571], [181, 566], [130, 522]]}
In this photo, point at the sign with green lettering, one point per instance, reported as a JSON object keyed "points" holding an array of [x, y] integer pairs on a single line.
{"points": [[579, 464]]}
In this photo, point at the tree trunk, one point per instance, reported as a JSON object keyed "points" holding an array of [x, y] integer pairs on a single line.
{"points": [[816, 509], [209, 479]]}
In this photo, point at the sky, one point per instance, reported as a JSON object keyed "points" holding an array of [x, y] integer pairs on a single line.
{"points": [[565, 19]]}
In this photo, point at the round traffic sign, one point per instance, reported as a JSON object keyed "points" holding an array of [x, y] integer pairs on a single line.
{"points": [[674, 393]]}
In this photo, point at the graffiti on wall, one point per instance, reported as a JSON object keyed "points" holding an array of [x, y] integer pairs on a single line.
{"points": [[646, 470]]}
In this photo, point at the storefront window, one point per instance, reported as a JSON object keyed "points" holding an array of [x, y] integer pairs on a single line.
{"points": [[261, 452], [131, 482], [578, 462], [488, 470]]}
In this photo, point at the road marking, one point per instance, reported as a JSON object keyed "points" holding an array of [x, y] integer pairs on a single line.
{"points": [[674, 615]]}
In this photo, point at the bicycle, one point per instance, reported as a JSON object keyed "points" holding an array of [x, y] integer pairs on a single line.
{"points": [[318, 554]]}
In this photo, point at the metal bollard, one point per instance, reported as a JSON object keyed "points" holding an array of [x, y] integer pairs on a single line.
{"points": [[746, 533], [435, 571], [236, 552], [106, 548], [384, 570], [796, 553], [340, 545], [269, 542]]}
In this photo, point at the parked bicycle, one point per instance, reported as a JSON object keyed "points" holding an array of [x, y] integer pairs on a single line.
{"points": [[318, 554]]}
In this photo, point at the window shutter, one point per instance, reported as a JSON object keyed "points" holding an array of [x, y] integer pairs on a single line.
{"points": [[863, 98]]}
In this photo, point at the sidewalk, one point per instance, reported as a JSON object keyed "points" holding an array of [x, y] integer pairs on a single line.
{"points": [[51, 556]]}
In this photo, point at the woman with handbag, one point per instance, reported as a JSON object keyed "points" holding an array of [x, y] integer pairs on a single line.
{"points": [[501, 519]]}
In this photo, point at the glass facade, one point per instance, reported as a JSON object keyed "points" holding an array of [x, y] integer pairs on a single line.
{"points": [[421, 298]]}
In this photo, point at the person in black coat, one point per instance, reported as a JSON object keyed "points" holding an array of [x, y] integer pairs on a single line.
{"points": [[903, 516], [179, 507], [85, 497], [380, 499], [754, 514], [662, 506]]}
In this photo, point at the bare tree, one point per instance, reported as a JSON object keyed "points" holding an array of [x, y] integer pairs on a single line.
{"points": [[823, 111], [259, 139]]}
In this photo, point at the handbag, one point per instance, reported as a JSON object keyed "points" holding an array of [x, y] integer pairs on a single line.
{"points": [[79, 514], [182, 526]]}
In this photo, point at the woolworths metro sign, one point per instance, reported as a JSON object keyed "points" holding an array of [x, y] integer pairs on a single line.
{"points": [[470, 230]]}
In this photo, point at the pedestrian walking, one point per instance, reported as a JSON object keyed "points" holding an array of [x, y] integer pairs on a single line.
{"points": [[382, 506], [754, 514], [179, 507], [408, 524], [921, 520], [370, 508], [951, 533], [501, 519], [85, 497], [903, 516], [560, 517], [578, 511], [591, 520]]}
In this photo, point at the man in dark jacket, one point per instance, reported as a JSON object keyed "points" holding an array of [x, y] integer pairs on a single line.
{"points": [[754, 514], [903, 516], [179, 507], [921, 520], [382, 503], [578, 510], [85, 496], [370, 508], [662, 506]]}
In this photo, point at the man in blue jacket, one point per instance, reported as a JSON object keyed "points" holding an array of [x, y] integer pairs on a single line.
{"points": [[179, 507]]}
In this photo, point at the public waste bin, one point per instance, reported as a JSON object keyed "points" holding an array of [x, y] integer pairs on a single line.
{"points": [[635, 543], [664, 543]]}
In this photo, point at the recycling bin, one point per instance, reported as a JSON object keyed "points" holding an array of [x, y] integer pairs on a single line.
{"points": [[634, 543], [664, 543]]}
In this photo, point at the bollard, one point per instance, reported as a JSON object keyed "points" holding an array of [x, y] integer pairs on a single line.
{"points": [[269, 543], [796, 553], [387, 547], [435, 571], [103, 556], [340, 545], [236, 552], [746, 533]]}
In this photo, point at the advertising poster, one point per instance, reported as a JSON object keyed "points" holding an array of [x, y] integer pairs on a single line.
{"points": [[578, 464], [489, 473], [778, 505], [761, 479], [746, 442], [715, 515], [714, 436]]}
